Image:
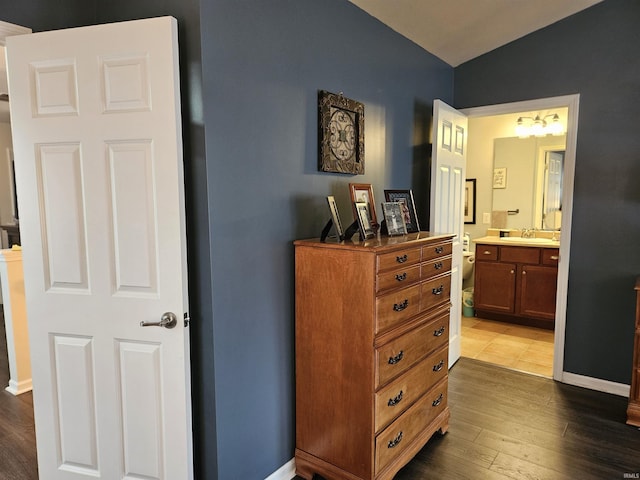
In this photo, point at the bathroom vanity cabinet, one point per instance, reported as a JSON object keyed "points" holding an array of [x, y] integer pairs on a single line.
{"points": [[516, 283], [633, 410]]}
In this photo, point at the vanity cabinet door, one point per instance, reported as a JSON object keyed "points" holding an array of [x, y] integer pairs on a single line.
{"points": [[495, 286], [538, 291]]}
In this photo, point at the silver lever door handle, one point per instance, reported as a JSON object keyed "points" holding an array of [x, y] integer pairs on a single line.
{"points": [[168, 320]]}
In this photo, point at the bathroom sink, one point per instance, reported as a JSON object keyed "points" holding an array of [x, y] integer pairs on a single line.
{"points": [[527, 240]]}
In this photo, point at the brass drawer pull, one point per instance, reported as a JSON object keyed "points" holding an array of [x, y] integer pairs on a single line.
{"points": [[397, 358], [401, 278], [439, 332], [438, 291], [439, 249], [437, 401], [398, 307], [554, 257], [402, 259], [486, 252], [395, 400], [438, 265], [394, 443], [439, 366]]}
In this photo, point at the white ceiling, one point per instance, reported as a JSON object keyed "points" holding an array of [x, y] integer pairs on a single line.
{"points": [[458, 30]]}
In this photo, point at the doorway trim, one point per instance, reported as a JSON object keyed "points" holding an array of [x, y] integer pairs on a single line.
{"points": [[571, 102]]}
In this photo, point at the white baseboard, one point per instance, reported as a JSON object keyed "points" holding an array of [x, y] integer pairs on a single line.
{"points": [[285, 472], [16, 388], [596, 384]]}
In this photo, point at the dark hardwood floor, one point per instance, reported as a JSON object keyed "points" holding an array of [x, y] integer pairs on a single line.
{"points": [[18, 459], [510, 425], [504, 425]]}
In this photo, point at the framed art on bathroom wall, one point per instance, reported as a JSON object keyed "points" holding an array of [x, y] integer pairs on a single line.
{"points": [[470, 201]]}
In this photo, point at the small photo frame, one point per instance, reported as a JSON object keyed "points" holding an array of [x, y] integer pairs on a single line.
{"points": [[470, 201], [394, 218], [362, 214], [335, 216], [405, 197], [363, 193], [500, 177]]}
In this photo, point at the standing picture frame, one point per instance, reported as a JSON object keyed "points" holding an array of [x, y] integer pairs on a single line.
{"points": [[470, 201], [335, 216], [363, 193], [394, 218], [405, 197], [362, 215]]}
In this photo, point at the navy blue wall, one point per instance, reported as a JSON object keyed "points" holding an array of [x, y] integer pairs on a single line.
{"points": [[263, 64], [593, 53]]}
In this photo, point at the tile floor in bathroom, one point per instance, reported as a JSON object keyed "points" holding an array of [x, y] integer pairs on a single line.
{"points": [[526, 349]]}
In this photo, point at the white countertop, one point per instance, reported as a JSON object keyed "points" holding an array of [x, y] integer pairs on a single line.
{"points": [[518, 241]]}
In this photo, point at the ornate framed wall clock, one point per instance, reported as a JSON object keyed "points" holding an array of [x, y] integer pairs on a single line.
{"points": [[340, 134]]}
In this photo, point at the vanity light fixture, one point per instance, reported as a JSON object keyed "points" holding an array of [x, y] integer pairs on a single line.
{"points": [[538, 126]]}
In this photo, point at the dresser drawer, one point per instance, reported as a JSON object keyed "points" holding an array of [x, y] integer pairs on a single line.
{"points": [[401, 258], [398, 278], [434, 251], [435, 292], [404, 431], [486, 252], [394, 308], [396, 397], [401, 353], [520, 254], [435, 267]]}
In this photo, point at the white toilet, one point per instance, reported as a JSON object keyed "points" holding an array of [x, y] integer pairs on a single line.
{"points": [[468, 260]]}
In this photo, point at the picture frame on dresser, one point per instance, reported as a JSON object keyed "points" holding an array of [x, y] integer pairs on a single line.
{"points": [[335, 216], [362, 212], [394, 218], [405, 197], [363, 193]]}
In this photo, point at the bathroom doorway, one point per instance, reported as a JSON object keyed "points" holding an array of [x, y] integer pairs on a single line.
{"points": [[516, 340]]}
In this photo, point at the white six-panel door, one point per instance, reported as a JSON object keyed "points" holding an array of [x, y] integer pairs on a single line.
{"points": [[448, 162], [97, 140]]}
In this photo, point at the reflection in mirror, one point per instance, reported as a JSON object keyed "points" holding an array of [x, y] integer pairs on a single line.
{"points": [[530, 195]]}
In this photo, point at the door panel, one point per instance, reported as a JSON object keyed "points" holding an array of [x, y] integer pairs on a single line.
{"points": [[98, 154], [447, 201]]}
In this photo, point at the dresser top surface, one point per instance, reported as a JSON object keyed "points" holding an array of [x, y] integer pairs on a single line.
{"points": [[379, 243]]}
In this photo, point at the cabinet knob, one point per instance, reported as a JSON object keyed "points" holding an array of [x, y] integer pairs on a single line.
{"points": [[554, 257], [395, 400], [402, 259], [393, 443], [397, 358], [486, 252], [512, 271], [437, 367], [398, 307], [524, 272]]}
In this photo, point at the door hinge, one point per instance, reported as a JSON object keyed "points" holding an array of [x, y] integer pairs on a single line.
{"points": [[187, 319]]}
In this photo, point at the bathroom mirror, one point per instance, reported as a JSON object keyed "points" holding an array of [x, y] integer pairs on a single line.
{"points": [[527, 189]]}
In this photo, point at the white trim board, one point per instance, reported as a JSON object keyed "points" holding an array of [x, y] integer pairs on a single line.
{"points": [[571, 102], [286, 472], [597, 384]]}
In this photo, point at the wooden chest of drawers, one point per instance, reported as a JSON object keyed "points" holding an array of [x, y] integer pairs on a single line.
{"points": [[633, 410], [372, 333]]}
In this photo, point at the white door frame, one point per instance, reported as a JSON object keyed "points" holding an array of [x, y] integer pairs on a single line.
{"points": [[571, 102]]}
